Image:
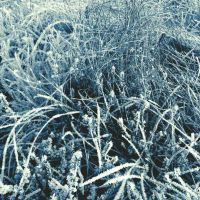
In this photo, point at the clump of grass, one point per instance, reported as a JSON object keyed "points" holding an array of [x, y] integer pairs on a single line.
{"points": [[93, 105]]}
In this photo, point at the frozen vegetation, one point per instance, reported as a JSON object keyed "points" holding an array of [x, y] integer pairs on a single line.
{"points": [[100, 100]]}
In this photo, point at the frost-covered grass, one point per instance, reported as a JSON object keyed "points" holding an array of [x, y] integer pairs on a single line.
{"points": [[93, 105]]}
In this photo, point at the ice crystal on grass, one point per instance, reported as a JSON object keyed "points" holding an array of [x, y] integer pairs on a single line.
{"points": [[5, 189]]}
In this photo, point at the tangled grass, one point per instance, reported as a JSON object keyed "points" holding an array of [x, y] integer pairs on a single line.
{"points": [[95, 101]]}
